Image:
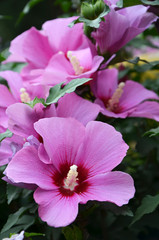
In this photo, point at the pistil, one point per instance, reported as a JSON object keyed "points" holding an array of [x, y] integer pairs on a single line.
{"points": [[75, 63], [70, 181], [24, 96], [114, 100]]}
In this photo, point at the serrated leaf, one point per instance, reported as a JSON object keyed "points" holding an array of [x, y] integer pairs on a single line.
{"points": [[6, 134], [148, 205], [153, 132], [95, 23], [72, 233], [153, 3], [12, 193], [35, 101], [57, 92]]}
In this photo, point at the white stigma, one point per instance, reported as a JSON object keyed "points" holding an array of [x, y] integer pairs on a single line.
{"points": [[75, 63], [70, 181], [24, 96], [114, 100]]}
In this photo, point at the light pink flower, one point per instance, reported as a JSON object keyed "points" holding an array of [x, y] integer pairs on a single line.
{"points": [[121, 26], [21, 118], [121, 100], [74, 167], [19, 91], [55, 54]]}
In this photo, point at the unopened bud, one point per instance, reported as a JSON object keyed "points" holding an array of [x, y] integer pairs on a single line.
{"points": [[99, 7], [87, 11]]}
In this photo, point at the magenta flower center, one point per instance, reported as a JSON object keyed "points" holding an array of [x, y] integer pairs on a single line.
{"points": [[71, 179]]}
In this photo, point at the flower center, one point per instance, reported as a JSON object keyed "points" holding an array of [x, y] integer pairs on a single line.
{"points": [[24, 96], [75, 63], [70, 182], [114, 100]]}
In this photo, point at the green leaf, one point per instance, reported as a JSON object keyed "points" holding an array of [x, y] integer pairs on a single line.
{"points": [[12, 219], [35, 101], [27, 235], [57, 92], [95, 23], [27, 9], [147, 66], [128, 3], [12, 193], [153, 3], [148, 205], [136, 60], [153, 132], [6, 134], [72, 233]]}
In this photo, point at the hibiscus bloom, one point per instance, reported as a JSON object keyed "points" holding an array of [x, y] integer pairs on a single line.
{"points": [[55, 54], [121, 26], [74, 167], [19, 91], [124, 99]]}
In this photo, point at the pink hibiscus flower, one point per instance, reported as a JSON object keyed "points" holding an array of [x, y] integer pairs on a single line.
{"points": [[77, 168], [19, 91], [121, 26], [121, 100], [21, 118], [55, 54]]}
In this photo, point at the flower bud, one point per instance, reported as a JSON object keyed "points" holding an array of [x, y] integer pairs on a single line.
{"points": [[99, 7], [87, 11]]}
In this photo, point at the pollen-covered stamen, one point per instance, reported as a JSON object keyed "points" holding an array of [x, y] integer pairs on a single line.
{"points": [[114, 100], [75, 63], [24, 96], [70, 182]]}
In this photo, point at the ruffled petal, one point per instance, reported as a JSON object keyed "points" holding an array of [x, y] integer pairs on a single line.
{"points": [[56, 210], [115, 187], [26, 167], [102, 150], [62, 138], [71, 105]]}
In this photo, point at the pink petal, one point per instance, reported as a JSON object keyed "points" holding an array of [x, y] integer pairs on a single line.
{"points": [[102, 150], [23, 124], [26, 167], [58, 70], [107, 82], [63, 38], [14, 81], [6, 98], [71, 105], [147, 110], [111, 31], [115, 187], [134, 93], [37, 49], [16, 49], [56, 210], [61, 137]]}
